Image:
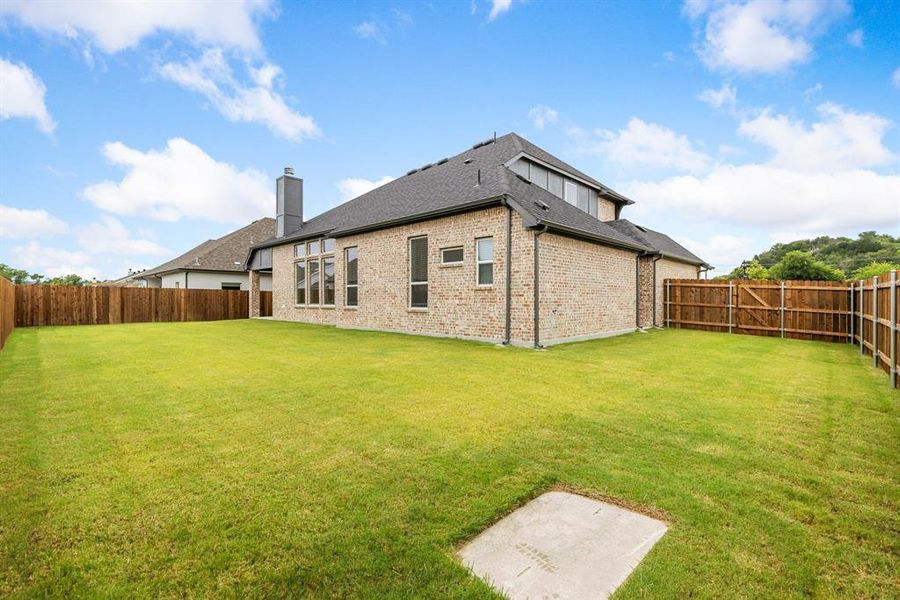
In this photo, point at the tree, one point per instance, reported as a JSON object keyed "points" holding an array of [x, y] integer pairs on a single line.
{"points": [[873, 269], [71, 279], [17, 276], [797, 264], [748, 270]]}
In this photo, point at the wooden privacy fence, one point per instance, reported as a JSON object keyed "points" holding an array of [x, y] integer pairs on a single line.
{"points": [[7, 310], [864, 312]]}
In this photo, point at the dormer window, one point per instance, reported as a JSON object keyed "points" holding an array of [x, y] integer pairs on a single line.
{"points": [[573, 192]]}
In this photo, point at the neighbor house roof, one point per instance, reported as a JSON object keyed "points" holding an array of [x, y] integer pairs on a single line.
{"points": [[658, 242], [475, 178], [226, 253]]}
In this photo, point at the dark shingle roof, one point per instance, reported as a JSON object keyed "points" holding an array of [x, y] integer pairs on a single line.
{"points": [[655, 240], [220, 254], [473, 178]]}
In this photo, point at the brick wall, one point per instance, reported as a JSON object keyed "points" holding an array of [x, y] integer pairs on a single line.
{"points": [[586, 289], [606, 210], [456, 305], [670, 269]]}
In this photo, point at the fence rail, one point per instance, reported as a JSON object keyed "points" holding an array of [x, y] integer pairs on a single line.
{"points": [[864, 312]]}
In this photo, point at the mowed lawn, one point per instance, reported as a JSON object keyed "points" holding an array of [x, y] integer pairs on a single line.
{"points": [[258, 458]]}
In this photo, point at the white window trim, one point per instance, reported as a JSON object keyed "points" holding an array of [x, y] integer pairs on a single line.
{"points": [[409, 303], [479, 262], [454, 263], [347, 286]]}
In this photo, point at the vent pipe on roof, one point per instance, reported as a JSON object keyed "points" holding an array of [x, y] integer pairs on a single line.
{"points": [[288, 203]]}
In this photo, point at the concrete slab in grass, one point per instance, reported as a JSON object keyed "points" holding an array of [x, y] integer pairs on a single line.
{"points": [[562, 545]]}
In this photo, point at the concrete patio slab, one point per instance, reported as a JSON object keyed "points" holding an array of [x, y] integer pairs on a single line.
{"points": [[562, 545]]}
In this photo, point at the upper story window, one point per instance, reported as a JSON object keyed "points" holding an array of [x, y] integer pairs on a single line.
{"points": [[573, 192], [299, 250]]}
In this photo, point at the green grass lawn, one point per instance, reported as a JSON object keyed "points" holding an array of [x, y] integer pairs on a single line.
{"points": [[258, 458]]}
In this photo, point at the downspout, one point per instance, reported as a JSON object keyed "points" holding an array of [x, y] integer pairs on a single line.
{"points": [[655, 260], [186, 273], [508, 334], [537, 289], [637, 290]]}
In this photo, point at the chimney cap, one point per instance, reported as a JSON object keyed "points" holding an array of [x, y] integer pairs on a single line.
{"points": [[289, 170]]}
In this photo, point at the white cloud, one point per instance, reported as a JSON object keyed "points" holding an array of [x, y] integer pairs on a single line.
{"points": [[53, 262], [352, 187], [724, 97], [669, 56], [760, 36], [23, 96], [211, 76], [643, 144], [843, 139], [109, 236], [856, 38], [181, 181], [370, 30], [541, 116], [28, 223], [722, 250], [770, 197], [115, 26], [498, 7], [895, 78]]}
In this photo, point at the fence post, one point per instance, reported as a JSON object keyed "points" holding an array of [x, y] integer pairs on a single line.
{"points": [[893, 305], [730, 302], [852, 315], [782, 309], [862, 338], [668, 304], [875, 321]]}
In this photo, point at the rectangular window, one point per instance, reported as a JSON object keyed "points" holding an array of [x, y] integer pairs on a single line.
{"points": [[312, 248], [583, 198], [418, 272], [571, 192], [328, 245], [593, 203], [451, 256], [538, 176], [556, 185], [485, 261], [351, 276], [300, 282], [520, 167], [328, 281], [299, 250], [230, 286], [313, 266]]}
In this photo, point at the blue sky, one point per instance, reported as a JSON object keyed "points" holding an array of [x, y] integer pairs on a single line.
{"points": [[129, 134]]}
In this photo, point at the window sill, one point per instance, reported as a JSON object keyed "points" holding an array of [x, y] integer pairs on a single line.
{"points": [[350, 308], [484, 288], [417, 309], [449, 265]]}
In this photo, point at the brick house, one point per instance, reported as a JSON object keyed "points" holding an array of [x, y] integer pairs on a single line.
{"points": [[503, 243]]}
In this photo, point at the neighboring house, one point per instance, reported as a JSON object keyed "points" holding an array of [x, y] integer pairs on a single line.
{"points": [[214, 264], [504, 242], [133, 279]]}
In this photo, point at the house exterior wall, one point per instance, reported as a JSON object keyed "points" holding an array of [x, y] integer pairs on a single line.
{"points": [[208, 280], [670, 269], [606, 210], [586, 289], [457, 307]]}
